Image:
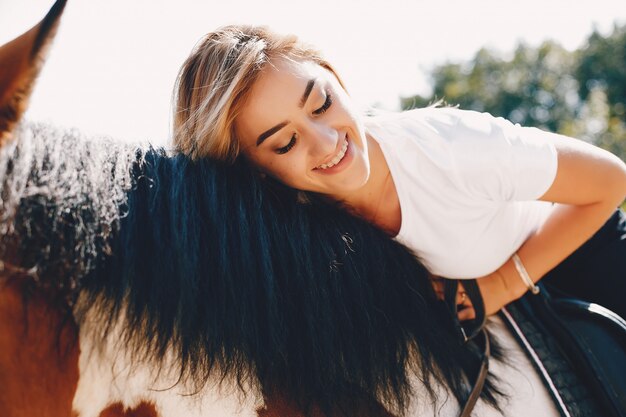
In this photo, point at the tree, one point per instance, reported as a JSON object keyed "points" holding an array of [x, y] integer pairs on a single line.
{"points": [[601, 73], [580, 93], [602, 64]]}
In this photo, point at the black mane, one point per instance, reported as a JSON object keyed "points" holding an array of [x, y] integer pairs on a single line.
{"points": [[229, 272]]}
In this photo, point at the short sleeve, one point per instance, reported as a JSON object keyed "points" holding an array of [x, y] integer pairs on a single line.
{"points": [[497, 160]]}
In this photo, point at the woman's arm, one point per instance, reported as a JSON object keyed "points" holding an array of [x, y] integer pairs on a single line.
{"points": [[590, 183]]}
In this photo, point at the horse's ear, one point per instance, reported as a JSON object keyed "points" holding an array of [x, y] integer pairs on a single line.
{"points": [[20, 62]]}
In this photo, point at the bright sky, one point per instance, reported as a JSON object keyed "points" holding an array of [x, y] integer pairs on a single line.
{"points": [[113, 65]]}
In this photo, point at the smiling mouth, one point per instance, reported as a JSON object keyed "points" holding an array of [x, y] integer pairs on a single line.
{"points": [[337, 158]]}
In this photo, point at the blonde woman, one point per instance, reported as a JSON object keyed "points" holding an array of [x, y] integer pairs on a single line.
{"points": [[472, 195]]}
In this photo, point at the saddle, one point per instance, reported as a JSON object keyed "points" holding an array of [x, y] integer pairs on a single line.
{"points": [[578, 348]]}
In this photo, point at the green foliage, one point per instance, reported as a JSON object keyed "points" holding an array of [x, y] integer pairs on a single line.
{"points": [[580, 93], [602, 64]]}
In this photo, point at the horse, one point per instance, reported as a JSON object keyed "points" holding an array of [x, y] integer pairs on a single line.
{"points": [[137, 282]]}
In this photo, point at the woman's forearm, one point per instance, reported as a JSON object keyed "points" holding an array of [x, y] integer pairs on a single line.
{"points": [[565, 230], [590, 183]]}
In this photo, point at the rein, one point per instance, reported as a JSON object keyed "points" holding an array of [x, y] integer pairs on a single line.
{"points": [[472, 332]]}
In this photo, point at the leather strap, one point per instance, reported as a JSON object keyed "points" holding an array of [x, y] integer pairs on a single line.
{"points": [[469, 331], [479, 383], [470, 328]]}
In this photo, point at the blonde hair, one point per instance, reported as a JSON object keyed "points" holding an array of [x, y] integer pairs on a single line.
{"points": [[216, 79]]}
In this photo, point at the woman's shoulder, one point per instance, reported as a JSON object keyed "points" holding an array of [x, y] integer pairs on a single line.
{"points": [[437, 118], [447, 124]]}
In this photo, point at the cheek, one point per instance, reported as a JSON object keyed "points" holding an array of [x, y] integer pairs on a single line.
{"points": [[289, 171], [256, 161], [283, 170], [290, 168]]}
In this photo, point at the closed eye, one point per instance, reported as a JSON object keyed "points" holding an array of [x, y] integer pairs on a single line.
{"points": [[325, 106], [288, 147]]}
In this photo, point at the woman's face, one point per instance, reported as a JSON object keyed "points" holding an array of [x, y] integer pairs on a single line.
{"points": [[299, 126]]}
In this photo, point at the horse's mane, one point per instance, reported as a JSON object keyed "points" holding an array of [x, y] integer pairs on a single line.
{"points": [[233, 276], [60, 202]]}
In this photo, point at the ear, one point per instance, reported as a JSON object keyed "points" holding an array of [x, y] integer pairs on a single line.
{"points": [[20, 63]]}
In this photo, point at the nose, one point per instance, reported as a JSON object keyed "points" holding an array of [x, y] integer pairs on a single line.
{"points": [[322, 139]]}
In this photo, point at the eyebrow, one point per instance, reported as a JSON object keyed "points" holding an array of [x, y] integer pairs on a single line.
{"points": [[303, 99], [269, 133], [307, 92]]}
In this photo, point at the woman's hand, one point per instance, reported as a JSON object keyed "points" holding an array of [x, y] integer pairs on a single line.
{"points": [[496, 294], [495, 291], [463, 302]]}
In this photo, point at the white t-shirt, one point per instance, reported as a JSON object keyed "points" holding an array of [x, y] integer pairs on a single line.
{"points": [[468, 185]]}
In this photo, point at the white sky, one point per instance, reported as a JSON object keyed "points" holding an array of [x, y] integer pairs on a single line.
{"points": [[113, 65]]}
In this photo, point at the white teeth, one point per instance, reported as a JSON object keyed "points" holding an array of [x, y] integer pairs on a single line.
{"points": [[337, 157]]}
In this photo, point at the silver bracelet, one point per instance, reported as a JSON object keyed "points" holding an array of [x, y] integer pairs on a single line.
{"points": [[524, 274]]}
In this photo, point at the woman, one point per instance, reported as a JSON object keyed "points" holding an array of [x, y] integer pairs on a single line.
{"points": [[465, 191], [470, 194]]}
